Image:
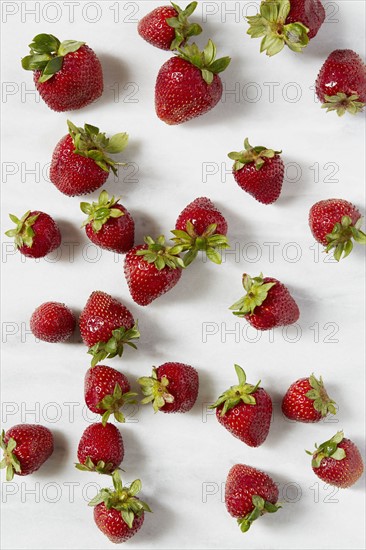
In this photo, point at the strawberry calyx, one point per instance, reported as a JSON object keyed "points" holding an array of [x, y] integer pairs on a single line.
{"points": [[155, 391], [10, 461], [181, 25], [161, 255], [101, 211], [192, 243], [112, 403], [270, 23], [47, 55], [101, 467], [261, 506], [340, 239], [241, 393], [115, 345], [205, 61], [257, 292], [343, 103], [91, 143], [252, 154], [318, 394], [23, 233], [328, 449], [122, 499]]}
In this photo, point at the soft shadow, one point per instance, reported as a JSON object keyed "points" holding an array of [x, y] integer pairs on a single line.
{"points": [[59, 458], [145, 225]]}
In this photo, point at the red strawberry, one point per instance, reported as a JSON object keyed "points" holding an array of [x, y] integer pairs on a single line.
{"points": [[307, 400], [201, 226], [109, 224], [36, 234], [80, 162], [245, 411], [337, 461], [118, 513], [188, 85], [52, 322], [152, 269], [167, 27], [68, 75], [173, 387], [26, 447], [249, 493], [286, 22], [334, 223], [105, 326], [267, 304], [100, 449], [341, 83], [106, 390]]}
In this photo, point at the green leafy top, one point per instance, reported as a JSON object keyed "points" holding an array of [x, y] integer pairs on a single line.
{"points": [[328, 449], [10, 461], [112, 404], [181, 25], [161, 255], [100, 212], [241, 393], [205, 61], [208, 242], [47, 55], [101, 467], [23, 233], [115, 345], [261, 506], [340, 239], [322, 402], [342, 103], [252, 154], [257, 292], [122, 499], [270, 23], [155, 391], [91, 143]]}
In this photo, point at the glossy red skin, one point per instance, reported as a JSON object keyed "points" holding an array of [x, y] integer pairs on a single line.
{"points": [[310, 13], [325, 214], [183, 386], [101, 381], [52, 322], [181, 93], [342, 72], [34, 446], [295, 404], [145, 282], [101, 443], [201, 213], [78, 83], [243, 482], [112, 525], [265, 184], [249, 423], [46, 239], [100, 316], [155, 30], [116, 234], [342, 473]]}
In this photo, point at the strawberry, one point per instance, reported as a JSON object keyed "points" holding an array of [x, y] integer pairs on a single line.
{"points": [[100, 449], [68, 75], [105, 326], [173, 387], [245, 411], [259, 171], [267, 304], [26, 447], [188, 84], [341, 83], [80, 162], [152, 269], [36, 234], [167, 27], [106, 390], [286, 22], [109, 224], [307, 400], [338, 461], [334, 223], [52, 322], [201, 226], [249, 493]]}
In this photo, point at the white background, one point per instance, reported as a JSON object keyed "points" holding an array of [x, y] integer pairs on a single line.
{"points": [[183, 460]]}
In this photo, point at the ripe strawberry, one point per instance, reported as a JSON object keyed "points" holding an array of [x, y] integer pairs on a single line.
{"points": [[109, 224], [259, 171], [249, 493], [334, 223], [100, 449], [338, 461], [167, 27], [52, 322], [152, 269], [201, 226], [26, 447], [106, 390], [36, 234], [173, 387], [118, 513], [105, 326], [307, 400], [286, 22], [341, 83], [188, 85], [245, 411], [80, 162], [68, 75], [267, 304]]}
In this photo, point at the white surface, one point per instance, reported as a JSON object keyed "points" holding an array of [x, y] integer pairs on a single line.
{"points": [[183, 460]]}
